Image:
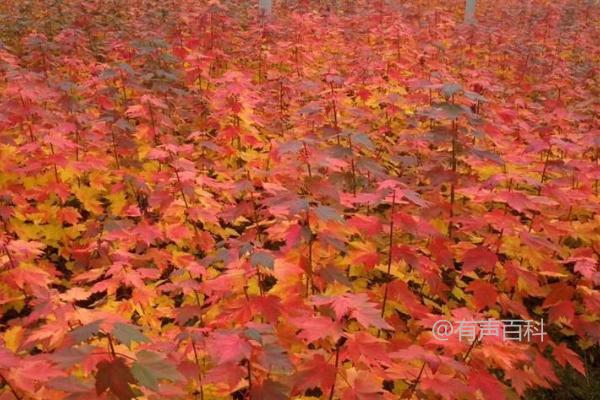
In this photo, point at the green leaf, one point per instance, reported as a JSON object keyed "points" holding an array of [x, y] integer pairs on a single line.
{"points": [[275, 358], [363, 139], [150, 367], [290, 146], [298, 205], [443, 111], [70, 384], [450, 88], [331, 274], [475, 96], [85, 332], [262, 258], [127, 333], [144, 376], [253, 334], [108, 73], [328, 213], [488, 155], [70, 356], [270, 390], [245, 249]]}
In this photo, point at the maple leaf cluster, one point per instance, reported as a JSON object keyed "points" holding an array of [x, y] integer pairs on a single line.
{"points": [[200, 202]]}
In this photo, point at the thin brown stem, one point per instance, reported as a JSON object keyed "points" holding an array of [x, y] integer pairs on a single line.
{"points": [[13, 264], [199, 369], [389, 261], [352, 166], [309, 278], [337, 362], [468, 353], [334, 108], [111, 346], [12, 389], [249, 375], [413, 387], [307, 161], [453, 184], [544, 171], [114, 146], [56, 178]]}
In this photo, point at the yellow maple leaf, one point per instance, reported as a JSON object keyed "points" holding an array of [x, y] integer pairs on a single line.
{"points": [[13, 337], [118, 201], [89, 198]]}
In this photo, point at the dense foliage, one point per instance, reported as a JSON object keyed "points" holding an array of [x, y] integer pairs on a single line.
{"points": [[199, 203]]}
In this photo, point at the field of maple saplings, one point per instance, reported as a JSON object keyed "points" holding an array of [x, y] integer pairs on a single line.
{"points": [[197, 202]]}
